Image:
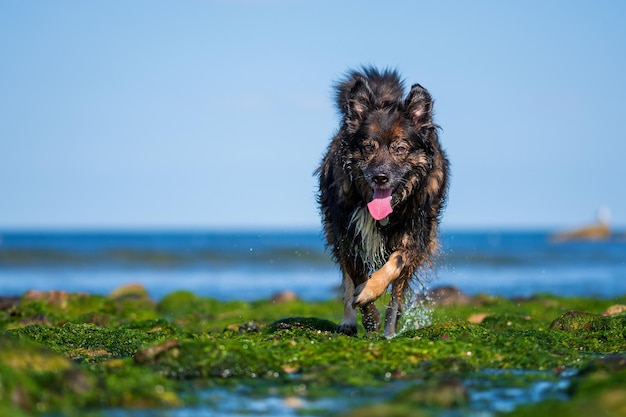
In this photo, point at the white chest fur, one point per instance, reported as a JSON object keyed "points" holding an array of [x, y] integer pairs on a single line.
{"points": [[371, 247]]}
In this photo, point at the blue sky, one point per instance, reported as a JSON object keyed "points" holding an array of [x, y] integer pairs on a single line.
{"points": [[214, 114]]}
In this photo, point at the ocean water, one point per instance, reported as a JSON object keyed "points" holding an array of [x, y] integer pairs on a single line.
{"points": [[256, 265]]}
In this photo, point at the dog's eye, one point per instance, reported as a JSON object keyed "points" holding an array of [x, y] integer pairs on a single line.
{"points": [[368, 148], [400, 149]]}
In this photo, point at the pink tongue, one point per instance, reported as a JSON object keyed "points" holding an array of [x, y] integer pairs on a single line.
{"points": [[380, 206]]}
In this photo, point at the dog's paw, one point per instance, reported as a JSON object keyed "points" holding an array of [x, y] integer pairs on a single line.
{"points": [[363, 295], [389, 334], [349, 329]]}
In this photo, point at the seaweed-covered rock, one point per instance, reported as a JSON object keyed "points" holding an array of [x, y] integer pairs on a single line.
{"points": [[579, 320], [307, 323], [150, 354], [35, 378], [247, 327]]}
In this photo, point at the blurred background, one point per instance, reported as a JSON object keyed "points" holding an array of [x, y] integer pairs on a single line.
{"points": [[140, 138]]}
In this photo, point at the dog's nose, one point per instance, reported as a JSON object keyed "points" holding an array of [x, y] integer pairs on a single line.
{"points": [[381, 179]]}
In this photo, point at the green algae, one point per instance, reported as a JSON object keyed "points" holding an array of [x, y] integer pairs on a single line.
{"points": [[75, 353], [34, 379]]}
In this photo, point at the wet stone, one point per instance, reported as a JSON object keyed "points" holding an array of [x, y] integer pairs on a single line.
{"points": [[247, 327], [615, 310], [130, 292], [151, 353], [579, 320], [307, 323], [446, 296], [284, 297], [8, 303]]}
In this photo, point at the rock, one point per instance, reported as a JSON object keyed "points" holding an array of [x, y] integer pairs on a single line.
{"points": [[477, 317], [247, 327], [40, 319], [614, 309], [579, 320], [8, 303], [130, 292], [308, 323], [150, 354], [56, 298], [294, 402], [600, 231], [284, 296], [446, 296]]}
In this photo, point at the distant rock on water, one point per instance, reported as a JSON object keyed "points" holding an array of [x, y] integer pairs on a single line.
{"points": [[597, 231], [593, 232]]}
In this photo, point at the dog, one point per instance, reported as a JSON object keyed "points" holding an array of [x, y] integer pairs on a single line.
{"points": [[382, 188]]}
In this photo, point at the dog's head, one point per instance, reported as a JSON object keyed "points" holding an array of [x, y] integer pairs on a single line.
{"points": [[388, 139]]}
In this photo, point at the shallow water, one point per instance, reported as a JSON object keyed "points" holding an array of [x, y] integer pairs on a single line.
{"points": [[249, 266], [487, 396], [489, 392]]}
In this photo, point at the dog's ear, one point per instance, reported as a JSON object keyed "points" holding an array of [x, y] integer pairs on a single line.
{"points": [[419, 107], [358, 103]]}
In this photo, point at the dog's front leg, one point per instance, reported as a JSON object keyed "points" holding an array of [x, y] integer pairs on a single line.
{"points": [[395, 307], [376, 285], [348, 323], [371, 316]]}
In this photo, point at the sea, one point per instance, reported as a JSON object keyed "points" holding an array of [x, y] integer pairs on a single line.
{"points": [[255, 265]]}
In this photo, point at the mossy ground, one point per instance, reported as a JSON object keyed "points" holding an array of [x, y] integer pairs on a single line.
{"points": [[76, 353]]}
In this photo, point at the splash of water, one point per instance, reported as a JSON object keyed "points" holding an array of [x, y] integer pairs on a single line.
{"points": [[417, 314]]}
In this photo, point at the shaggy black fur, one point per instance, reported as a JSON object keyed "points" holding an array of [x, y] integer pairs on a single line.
{"points": [[387, 143]]}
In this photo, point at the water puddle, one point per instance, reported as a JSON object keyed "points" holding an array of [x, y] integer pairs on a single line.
{"points": [[501, 391], [489, 392]]}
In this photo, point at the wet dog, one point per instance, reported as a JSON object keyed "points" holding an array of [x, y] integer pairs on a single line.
{"points": [[382, 188]]}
